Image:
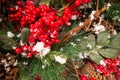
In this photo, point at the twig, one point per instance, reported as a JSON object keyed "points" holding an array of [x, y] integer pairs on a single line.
{"points": [[97, 5], [87, 23], [76, 71], [61, 9]]}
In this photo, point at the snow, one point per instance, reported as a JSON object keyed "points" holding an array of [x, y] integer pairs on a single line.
{"points": [[98, 28], [102, 62], [81, 23], [73, 44], [81, 55], [74, 17], [108, 5], [92, 15], [39, 47], [10, 34], [60, 59], [89, 46]]}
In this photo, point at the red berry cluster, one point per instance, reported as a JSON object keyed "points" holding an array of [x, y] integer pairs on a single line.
{"points": [[83, 77], [111, 66], [43, 21]]}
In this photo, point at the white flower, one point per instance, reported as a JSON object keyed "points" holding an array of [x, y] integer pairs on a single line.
{"points": [[60, 59], [74, 17], [10, 34], [39, 47]]}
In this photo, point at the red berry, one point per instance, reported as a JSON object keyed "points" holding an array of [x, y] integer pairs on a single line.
{"points": [[92, 79], [83, 77], [3, 1], [25, 47], [11, 9], [18, 50], [29, 55], [19, 3]]}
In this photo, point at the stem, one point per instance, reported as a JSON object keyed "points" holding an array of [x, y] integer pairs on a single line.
{"points": [[61, 9], [87, 22], [76, 71], [97, 5]]}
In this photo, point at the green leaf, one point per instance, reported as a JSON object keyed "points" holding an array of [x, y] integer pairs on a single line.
{"points": [[103, 38], [24, 35], [52, 72], [115, 42], [71, 51], [109, 53], [8, 42], [90, 40], [96, 57], [29, 71], [42, 2]]}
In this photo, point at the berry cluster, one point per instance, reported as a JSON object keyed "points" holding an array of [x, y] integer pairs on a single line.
{"points": [[83, 77], [109, 66], [43, 22]]}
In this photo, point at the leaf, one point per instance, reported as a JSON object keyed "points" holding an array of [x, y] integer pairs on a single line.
{"points": [[71, 51], [115, 42], [90, 40], [29, 71], [96, 57], [109, 53], [42, 2], [103, 38], [52, 72], [7, 47], [8, 42], [24, 35]]}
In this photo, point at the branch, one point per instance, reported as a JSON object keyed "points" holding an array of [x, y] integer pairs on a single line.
{"points": [[87, 23]]}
